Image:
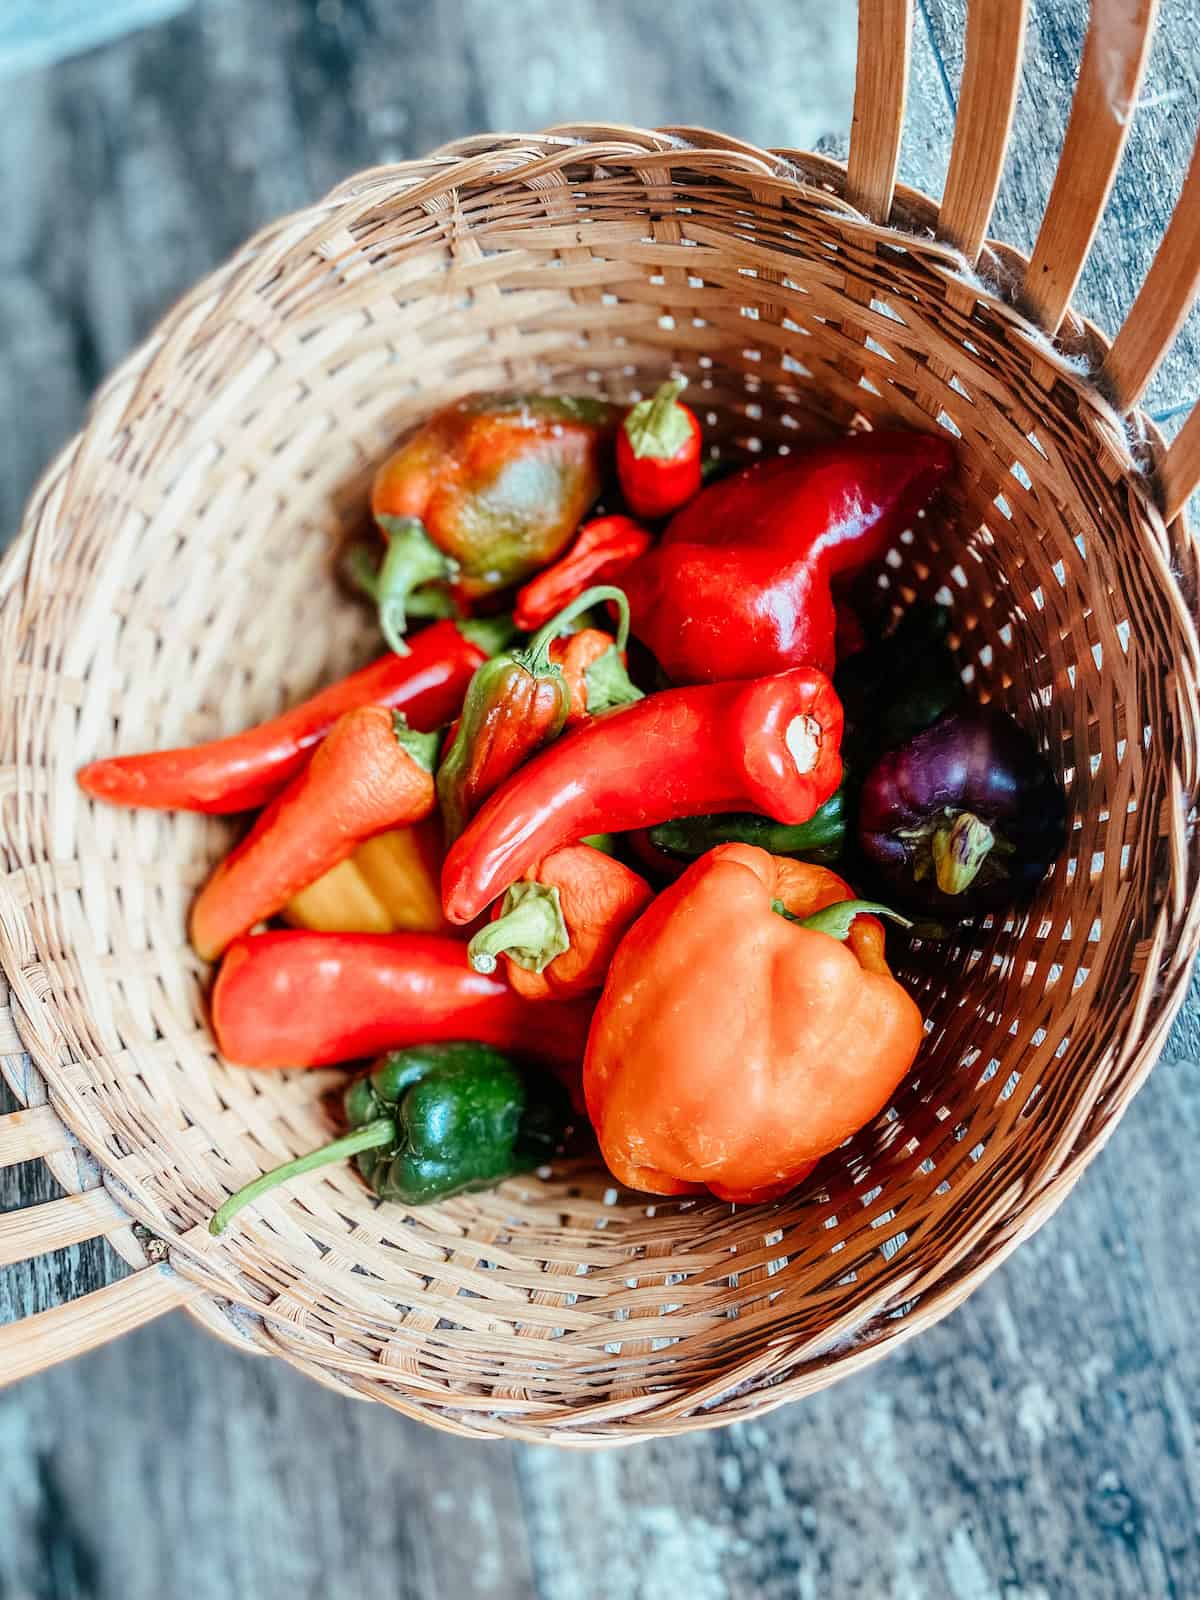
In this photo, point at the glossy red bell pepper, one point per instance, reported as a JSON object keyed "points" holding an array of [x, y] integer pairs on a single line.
{"points": [[739, 584], [298, 999], [769, 746], [246, 770]]}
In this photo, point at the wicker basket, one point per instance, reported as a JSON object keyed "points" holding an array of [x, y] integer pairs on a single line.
{"points": [[173, 581]]}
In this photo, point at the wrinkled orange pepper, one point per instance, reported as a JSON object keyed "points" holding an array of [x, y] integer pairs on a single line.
{"points": [[557, 927], [732, 1047], [593, 669]]}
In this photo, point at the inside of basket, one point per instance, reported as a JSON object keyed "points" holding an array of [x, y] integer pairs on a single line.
{"points": [[229, 610]]}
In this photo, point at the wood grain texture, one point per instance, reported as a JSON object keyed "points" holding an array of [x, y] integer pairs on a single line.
{"points": [[991, 74], [1040, 1443]]}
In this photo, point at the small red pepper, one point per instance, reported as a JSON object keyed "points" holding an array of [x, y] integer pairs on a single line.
{"points": [[244, 771], [601, 553], [769, 746], [294, 999], [372, 773], [739, 584], [516, 703], [658, 453]]}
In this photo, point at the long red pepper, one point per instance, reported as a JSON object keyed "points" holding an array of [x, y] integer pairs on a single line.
{"points": [[769, 745], [295, 999], [246, 770]]}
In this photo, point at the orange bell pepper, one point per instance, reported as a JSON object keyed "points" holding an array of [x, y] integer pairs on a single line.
{"points": [[732, 1047], [557, 927]]}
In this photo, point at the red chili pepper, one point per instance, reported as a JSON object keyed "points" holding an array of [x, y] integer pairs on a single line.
{"points": [[769, 746], [516, 703], [292, 999], [658, 453], [372, 773], [739, 584], [601, 553], [244, 771]]}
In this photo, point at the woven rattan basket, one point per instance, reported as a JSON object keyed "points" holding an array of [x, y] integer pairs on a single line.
{"points": [[172, 580]]}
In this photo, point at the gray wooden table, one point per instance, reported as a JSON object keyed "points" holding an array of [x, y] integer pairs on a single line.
{"points": [[1040, 1443]]}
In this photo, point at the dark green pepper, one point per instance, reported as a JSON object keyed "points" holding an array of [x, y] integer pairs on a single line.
{"points": [[819, 839], [432, 1121], [898, 686]]}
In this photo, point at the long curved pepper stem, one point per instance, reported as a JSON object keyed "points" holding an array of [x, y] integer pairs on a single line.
{"points": [[369, 1137]]}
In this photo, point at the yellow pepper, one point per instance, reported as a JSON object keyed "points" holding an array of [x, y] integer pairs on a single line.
{"points": [[389, 885]]}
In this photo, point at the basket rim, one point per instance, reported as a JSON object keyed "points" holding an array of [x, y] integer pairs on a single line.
{"points": [[449, 168]]}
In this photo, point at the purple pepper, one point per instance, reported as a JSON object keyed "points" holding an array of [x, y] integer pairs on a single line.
{"points": [[966, 817]]}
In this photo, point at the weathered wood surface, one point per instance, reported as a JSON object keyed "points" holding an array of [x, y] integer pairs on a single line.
{"points": [[1043, 1441]]}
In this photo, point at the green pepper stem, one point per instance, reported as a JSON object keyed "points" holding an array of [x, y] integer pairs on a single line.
{"points": [[537, 652], [836, 920], [421, 747], [659, 426], [959, 851], [489, 634], [369, 1137], [531, 930], [412, 559]]}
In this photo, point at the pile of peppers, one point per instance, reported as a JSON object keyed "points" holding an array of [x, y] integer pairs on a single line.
{"points": [[563, 855]]}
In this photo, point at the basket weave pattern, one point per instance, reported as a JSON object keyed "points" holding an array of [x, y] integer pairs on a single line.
{"points": [[173, 583]]}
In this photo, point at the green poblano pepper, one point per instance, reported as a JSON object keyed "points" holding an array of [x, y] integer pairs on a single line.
{"points": [[820, 839], [433, 1121]]}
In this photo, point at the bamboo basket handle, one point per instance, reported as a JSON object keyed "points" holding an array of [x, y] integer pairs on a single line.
{"points": [[880, 88], [1180, 474], [988, 98], [37, 1342], [1110, 75], [1163, 302]]}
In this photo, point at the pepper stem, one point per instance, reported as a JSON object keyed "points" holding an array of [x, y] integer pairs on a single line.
{"points": [[659, 426], [537, 652], [412, 559], [531, 930], [836, 920], [490, 634], [959, 851], [369, 1137], [420, 747]]}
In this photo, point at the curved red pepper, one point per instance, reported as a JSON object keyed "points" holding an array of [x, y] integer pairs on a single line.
{"points": [[603, 548], [297, 999], [739, 584], [246, 770], [769, 746]]}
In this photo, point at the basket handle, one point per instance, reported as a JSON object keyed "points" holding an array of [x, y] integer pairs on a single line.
{"points": [[1164, 300], [1110, 75], [986, 102], [880, 89], [42, 1340]]}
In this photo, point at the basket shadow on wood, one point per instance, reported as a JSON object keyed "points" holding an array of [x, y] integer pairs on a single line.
{"points": [[175, 583]]}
